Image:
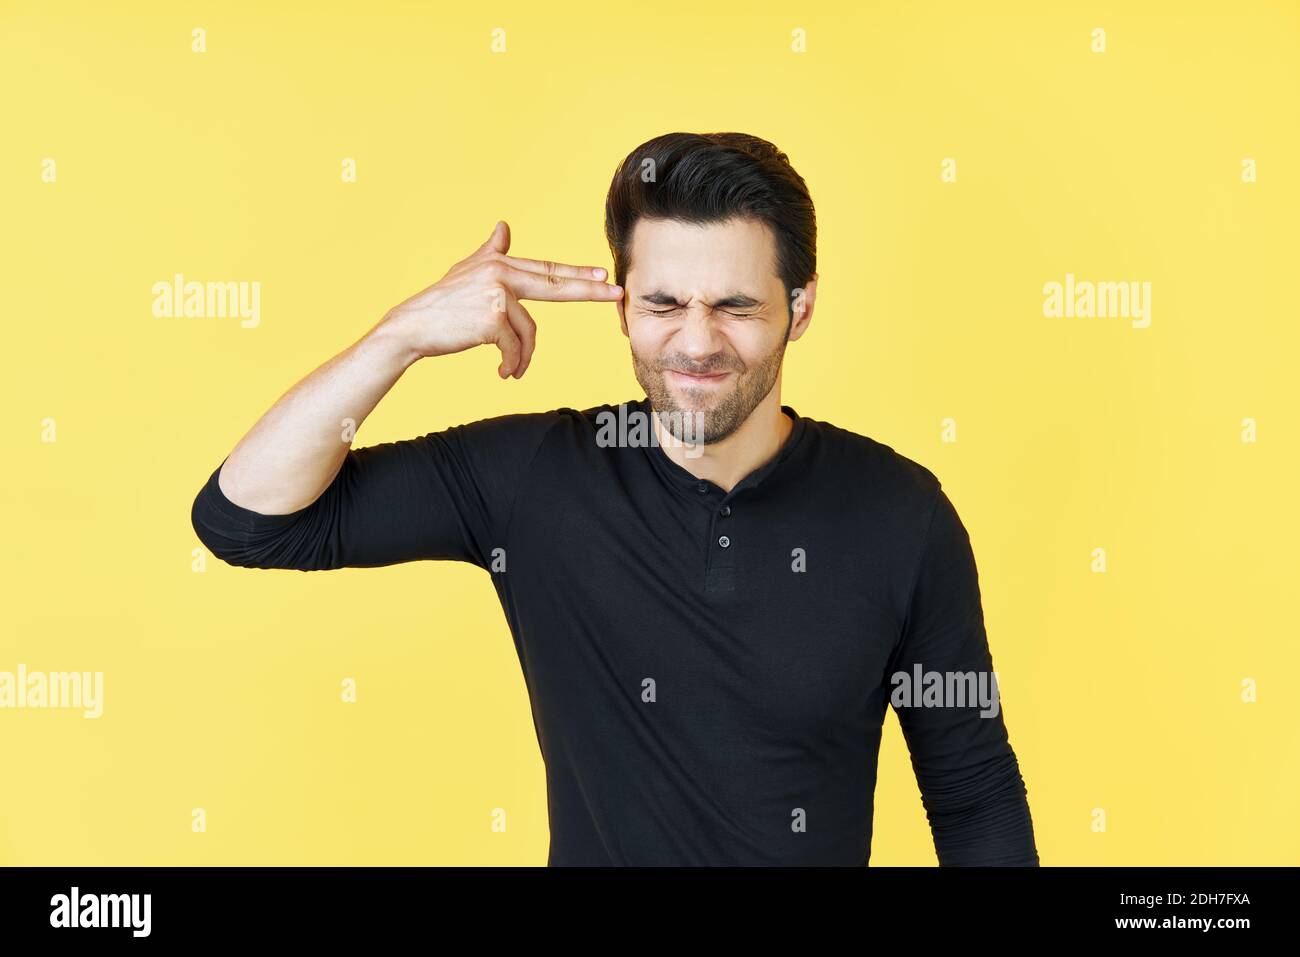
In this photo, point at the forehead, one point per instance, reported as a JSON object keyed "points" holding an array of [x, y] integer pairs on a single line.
{"points": [[672, 255]]}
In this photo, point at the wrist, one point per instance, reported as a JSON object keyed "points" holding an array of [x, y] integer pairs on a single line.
{"points": [[390, 337]]}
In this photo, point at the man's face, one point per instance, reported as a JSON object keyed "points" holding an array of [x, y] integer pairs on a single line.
{"points": [[706, 315]]}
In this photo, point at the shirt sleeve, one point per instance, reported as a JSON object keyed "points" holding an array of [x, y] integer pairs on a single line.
{"points": [[446, 495], [970, 782]]}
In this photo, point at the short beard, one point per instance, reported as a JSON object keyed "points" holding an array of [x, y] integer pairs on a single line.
{"points": [[705, 426]]}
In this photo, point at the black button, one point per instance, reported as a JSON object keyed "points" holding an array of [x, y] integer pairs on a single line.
{"points": [[725, 511], [724, 541], [703, 488]]}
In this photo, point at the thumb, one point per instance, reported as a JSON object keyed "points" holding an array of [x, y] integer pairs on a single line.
{"points": [[500, 238]]}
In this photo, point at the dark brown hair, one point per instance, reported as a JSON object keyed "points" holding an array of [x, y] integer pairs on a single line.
{"points": [[709, 178]]}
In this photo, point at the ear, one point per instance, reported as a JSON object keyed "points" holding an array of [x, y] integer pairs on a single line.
{"points": [[622, 317], [801, 305]]}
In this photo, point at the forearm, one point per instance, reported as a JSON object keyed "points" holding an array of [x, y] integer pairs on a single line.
{"points": [[293, 452], [981, 817]]}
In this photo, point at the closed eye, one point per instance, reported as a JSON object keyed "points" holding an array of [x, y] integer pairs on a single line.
{"points": [[734, 315]]}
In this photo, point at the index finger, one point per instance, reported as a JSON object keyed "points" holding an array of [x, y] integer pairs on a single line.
{"points": [[547, 267], [556, 288]]}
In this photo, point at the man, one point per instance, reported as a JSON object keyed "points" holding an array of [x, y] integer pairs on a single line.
{"points": [[713, 597]]}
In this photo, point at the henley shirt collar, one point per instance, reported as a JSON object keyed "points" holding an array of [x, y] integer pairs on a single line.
{"points": [[680, 476]]}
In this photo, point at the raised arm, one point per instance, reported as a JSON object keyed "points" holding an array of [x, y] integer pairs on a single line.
{"points": [[294, 494]]}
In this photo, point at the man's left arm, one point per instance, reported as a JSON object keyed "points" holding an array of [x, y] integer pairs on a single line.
{"points": [[971, 787]]}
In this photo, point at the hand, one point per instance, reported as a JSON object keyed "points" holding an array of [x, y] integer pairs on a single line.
{"points": [[477, 302]]}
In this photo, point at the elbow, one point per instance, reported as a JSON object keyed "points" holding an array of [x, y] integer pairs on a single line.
{"points": [[248, 539], [219, 545], [225, 534]]}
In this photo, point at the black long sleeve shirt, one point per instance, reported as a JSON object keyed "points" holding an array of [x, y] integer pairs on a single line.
{"points": [[708, 671]]}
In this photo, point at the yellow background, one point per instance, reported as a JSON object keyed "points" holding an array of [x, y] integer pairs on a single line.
{"points": [[1122, 690]]}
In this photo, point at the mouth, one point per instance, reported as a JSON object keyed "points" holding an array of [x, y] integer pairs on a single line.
{"points": [[688, 378]]}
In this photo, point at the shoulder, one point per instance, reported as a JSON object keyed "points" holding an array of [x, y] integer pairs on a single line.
{"points": [[516, 428], [890, 477], [530, 431], [617, 424]]}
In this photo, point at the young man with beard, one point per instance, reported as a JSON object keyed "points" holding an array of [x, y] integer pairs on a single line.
{"points": [[710, 622]]}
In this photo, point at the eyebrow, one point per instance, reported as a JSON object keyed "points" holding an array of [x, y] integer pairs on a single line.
{"points": [[735, 300]]}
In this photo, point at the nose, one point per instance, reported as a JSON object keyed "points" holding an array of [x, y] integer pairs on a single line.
{"points": [[698, 336]]}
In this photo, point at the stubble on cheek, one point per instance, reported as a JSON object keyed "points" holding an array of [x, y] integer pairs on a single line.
{"points": [[726, 412]]}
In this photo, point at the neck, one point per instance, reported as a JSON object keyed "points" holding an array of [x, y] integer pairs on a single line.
{"points": [[752, 445]]}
